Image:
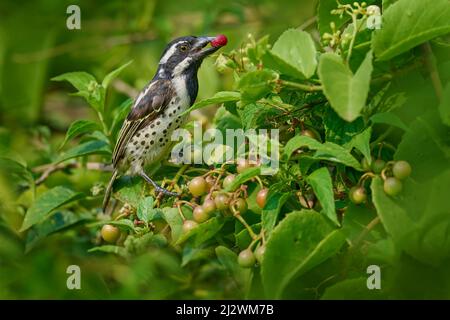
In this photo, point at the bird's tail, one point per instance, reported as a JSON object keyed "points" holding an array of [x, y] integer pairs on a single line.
{"points": [[109, 190]]}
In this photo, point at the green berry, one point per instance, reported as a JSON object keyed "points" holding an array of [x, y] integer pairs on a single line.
{"points": [[392, 186], [240, 205], [401, 170], [209, 206], [246, 258], [378, 165], [228, 181], [198, 186], [188, 225], [261, 197], [309, 133], [110, 233], [200, 215], [259, 253], [358, 195], [222, 201], [365, 164]]}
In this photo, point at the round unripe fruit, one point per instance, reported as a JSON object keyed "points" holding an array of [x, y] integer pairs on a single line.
{"points": [[259, 253], [219, 41], [188, 225], [358, 195], [198, 186], [242, 165], [240, 205], [228, 181], [365, 164], [378, 165], [246, 258], [222, 201], [110, 233], [309, 133], [401, 170], [261, 197], [209, 206], [392, 186], [200, 215]]}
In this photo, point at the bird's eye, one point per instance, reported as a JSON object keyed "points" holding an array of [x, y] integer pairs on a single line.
{"points": [[183, 48]]}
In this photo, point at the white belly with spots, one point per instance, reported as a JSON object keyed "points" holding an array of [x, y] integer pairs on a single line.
{"points": [[152, 143]]}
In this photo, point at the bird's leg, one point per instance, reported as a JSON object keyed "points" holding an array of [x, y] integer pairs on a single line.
{"points": [[157, 187]]}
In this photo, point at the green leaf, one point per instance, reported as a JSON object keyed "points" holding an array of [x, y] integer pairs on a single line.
{"points": [[46, 203], [346, 92], [228, 259], [145, 211], [84, 149], [300, 141], [408, 23], [16, 170], [120, 251], [417, 219], [173, 218], [351, 289], [87, 87], [300, 242], [244, 177], [361, 142], [389, 119], [57, 222], [444, 106], [191, 254], [122, 223], [219, 97], [320, 181], [129, 190], [293, 54], [256, 84], [255, 115], [203, 231], [270, 212], [425, 147], [327, 151], [77, 128], [335, 153], [113, 74], [80, 80], [338, 130]]}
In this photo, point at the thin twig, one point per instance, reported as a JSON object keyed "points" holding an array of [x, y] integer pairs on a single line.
{"points": [[48, 169], [301, 86]]}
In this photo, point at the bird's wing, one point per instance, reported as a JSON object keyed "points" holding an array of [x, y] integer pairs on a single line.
{"points": [[148, 105]]}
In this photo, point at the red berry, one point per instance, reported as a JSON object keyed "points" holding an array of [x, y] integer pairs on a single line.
{"points": [[261, 197], [219, 41]]}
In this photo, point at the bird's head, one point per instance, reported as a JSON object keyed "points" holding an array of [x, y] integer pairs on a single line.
{"points": [[184, 55]]}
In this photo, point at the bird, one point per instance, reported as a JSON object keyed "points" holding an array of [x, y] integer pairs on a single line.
{"points": [[159, 109]]}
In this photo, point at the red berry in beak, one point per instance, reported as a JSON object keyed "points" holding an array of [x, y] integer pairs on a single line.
{"points": [[219, 41]]}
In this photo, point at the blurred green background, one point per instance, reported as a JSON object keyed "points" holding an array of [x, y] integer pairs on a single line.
{"points": [[35, 45]]}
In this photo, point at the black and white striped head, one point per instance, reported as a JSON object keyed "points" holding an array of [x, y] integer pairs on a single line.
{"points": [[184, 56]]}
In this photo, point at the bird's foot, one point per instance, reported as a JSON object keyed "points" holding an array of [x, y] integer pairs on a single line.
{"points": [[158, 188]]}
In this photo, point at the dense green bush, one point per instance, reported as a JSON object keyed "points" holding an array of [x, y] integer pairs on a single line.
{"points": [[363, 115]]}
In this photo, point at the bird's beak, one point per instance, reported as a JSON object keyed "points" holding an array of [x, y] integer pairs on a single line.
{"points": [[199, 50]]}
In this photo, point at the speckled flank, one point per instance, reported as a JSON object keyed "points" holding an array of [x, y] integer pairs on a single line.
{"points": [[153, 141]]}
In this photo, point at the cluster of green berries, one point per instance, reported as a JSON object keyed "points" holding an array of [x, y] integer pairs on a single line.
{"points": [[397, 170], [247, 258]]}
